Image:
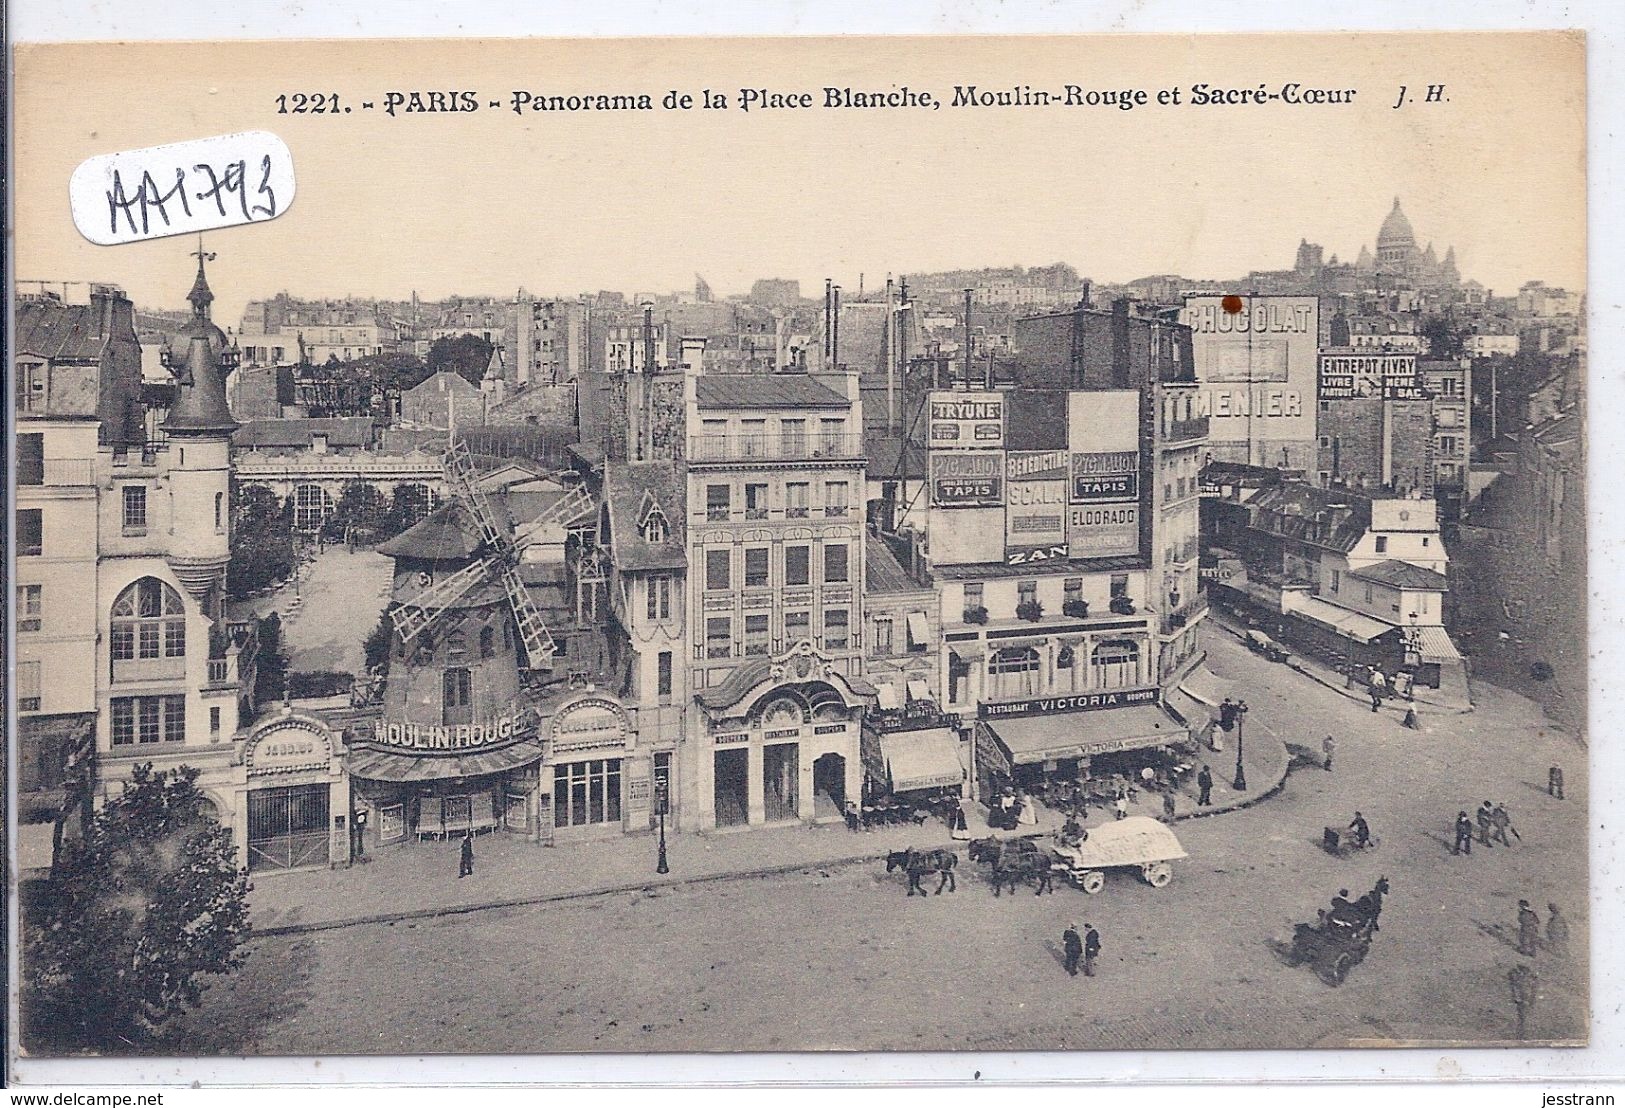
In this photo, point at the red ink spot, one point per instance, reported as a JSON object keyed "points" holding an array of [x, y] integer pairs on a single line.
{"points": [[1231, 304]]}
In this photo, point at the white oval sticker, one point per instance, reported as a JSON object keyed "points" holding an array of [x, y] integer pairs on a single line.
{"points": [[182, 188]]}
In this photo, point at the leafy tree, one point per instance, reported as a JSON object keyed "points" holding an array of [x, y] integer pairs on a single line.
{"points": [[135, 917], [360, 504], [391, 371], [407, 506], [1444, 338], [271, 664], [467, 355], [262, 549], [377, 646]]}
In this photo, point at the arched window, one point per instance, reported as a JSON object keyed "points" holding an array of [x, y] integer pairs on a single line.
{"points": [[149, 621], [1116, 664], [456, 644], [219, 511], [1013, 671], [655, 529], [310, 507], [488, 642]]}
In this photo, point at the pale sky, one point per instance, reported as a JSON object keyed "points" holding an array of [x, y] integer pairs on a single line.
{"points": [[488, 201]]}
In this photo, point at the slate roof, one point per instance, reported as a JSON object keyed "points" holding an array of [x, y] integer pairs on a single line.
{"points": [[1289, 510], [60, 332], [1402, 575], [632, 489], [445, 534], [776, 390], [883, 573], [883, 451], [357, 431]]}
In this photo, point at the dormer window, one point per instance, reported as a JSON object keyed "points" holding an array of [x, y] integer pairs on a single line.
{"points": [[655, 528]]}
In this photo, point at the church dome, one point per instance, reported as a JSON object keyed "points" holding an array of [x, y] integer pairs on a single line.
{"points": [[1396, 230]]}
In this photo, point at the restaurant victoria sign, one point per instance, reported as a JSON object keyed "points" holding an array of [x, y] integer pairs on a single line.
{"points": [[1072, 702]]}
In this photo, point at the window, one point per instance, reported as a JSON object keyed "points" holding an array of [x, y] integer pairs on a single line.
{"points": [[718, 501], [797, 627], [793, 437], [756, 567], [1449, 445], [30, 387], [835, 563], [1116, 664], [28, 686], [1337, 580], [219, 513], [31, 459], [135, 509], [456, 690], [659, 597], [30, 600], [718, 637], [663, 674], [835, 629], [1325, 442], [149, 621], [755, 501], [1026, 592], [587, 792], [795, 500], [753, 437], [1013, 671], [973, 596], [1072, 589], [1119, 585], [310, 505], [756, 634], [880, 644], [456, 644], [1424, 541], [488, 642], [214, 722], [1450, 386], [1382, 544], [148, 720], [835, 501], [655, 529], [718, 566], [797, 565], [830, 433]]}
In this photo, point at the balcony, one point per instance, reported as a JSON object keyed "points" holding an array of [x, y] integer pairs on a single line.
{"points": [[1177, 431], [61, 473], [836, 511], [769, 448], [233, 657]]}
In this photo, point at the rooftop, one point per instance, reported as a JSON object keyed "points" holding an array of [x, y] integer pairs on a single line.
{"points": [[355, 431], [777, 390], [1402, 575], [634, 490], [883, 573]]}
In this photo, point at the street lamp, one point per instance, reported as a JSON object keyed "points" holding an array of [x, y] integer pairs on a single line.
{"points": [[1241, 773], [660, 806]]}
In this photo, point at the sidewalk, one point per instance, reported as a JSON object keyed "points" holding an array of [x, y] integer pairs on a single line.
{"points": [[418, 880]]}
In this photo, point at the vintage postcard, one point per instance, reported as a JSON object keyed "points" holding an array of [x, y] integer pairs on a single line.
{"points": [[709, 545]]}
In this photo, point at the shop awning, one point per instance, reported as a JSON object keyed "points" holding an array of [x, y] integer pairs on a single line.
{"points": [[919, 633], [926, 759], [1434, 644], [1195, 713], [886, 694], [973, 650], [1079, 734], [1349, 624], [1203, 685], [375, 764], [919, 690]]}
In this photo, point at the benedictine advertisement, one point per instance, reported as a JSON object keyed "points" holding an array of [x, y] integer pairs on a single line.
{"points": [[1035, 505]]}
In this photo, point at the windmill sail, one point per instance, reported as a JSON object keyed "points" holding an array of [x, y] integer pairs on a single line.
{"points": [[412, 616]]}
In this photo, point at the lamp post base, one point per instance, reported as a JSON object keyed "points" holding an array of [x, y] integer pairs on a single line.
{"points": [[1240, 784]]}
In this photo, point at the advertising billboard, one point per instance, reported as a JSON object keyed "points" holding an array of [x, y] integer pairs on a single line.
{"points": [[966, 478], [966, 420], [1258, 374], [1035, 505], [1103, 530], [1103, 474], [1352, 374]]}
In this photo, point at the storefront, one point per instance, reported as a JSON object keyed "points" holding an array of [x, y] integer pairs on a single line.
{"points": [[596, 780], [416, 782], [293, 795], [777, 741], [913, 752], [1070, 738]]}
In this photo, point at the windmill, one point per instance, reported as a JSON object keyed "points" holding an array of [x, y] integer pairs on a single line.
{"points": [[500, 561]]}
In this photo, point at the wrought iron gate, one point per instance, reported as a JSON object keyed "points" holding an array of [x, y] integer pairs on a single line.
{"points": [[287, 827]]}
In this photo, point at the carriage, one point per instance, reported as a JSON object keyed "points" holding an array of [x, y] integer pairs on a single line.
{"points": [[1264, 646], [1332, 947], [1139, 842]]}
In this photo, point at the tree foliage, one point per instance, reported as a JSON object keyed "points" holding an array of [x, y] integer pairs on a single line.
{"points": [[262, 550], [1444, 338], [377, 646], [135, 918], [392, 371], [466, 355], [271, 664]]}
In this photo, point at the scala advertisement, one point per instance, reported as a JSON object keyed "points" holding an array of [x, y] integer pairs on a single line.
{"points": [[967, 420], [967, 478], [1035, 511]]}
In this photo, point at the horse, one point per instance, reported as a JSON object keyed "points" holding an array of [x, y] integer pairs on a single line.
{"points": [[991, 849], [917, 864], [1370, 905], [1015, 867]]}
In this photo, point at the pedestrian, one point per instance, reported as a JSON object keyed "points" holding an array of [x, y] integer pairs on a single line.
{"points": [[1525, 985], [1360, 831], [1121, 803], [1483, 815], [1464, 834], [1328, 747], [1204, 783], [465, 867], [1073, 946], [1502, 823], [1168, 805], [1557, 932], [1376, 700], [1554, 782], [854, 818], [1410, 719], [1091, 949], [1528, 929]]}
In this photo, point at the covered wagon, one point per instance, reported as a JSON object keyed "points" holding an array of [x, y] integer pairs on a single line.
{"points": [[1146, 844]]}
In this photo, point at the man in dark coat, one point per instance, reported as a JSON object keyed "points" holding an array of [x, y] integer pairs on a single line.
{"points": [[1528, 929], [1091, 949], [1360, 831], [1525, 987], [1328, 747], [1204, 782], [1483, 815], [1168, 805], [465, 867], [1554, 782], [1501, 821], [1073, 946], [1464, 834]]}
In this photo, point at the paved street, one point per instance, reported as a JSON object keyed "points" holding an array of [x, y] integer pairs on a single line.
{"points": [[840, 958], [347, 590]]}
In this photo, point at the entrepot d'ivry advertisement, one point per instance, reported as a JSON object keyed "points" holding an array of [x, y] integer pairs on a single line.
{"points": [[796, 544]]}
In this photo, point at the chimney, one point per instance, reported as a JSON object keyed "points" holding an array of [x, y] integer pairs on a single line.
{"points": [[1120, 343], [693, 354], [967, 338], [835, 330]]}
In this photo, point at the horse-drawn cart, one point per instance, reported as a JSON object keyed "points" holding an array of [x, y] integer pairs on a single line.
{"points": [[1333, 948], [1138, 841]]}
